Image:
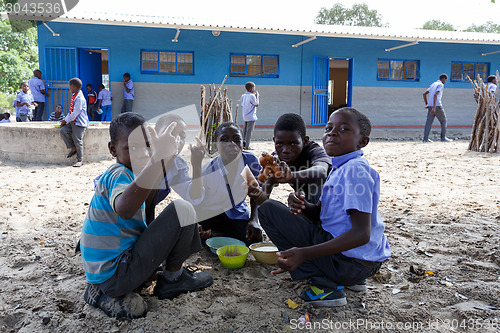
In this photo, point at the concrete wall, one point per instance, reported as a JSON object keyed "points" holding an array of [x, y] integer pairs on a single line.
{"points": [[41, 143]]}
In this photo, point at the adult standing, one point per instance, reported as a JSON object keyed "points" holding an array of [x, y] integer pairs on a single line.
{"points": [[435, 108], [128, 93], [38, 91]]}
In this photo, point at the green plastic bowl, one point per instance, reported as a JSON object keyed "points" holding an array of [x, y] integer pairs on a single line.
{"points": [[216, 243], [233, 256]]}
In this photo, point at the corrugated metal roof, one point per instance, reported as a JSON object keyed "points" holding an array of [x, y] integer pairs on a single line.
{"points": [[319, 30]]}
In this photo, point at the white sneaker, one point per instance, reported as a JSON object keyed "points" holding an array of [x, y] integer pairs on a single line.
{"points": [[78, 164]]}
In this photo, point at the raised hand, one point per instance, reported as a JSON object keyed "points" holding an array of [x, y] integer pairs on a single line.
{"points": [[197, 152]]}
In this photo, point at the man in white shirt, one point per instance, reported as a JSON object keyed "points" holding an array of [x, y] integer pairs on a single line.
{"points": [[435, 108], [38, 91], [249, 104]]}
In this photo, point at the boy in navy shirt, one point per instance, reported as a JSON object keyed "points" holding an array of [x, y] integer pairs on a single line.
{"points": [[350, 244]]}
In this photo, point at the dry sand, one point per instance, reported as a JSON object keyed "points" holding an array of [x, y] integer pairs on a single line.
{"points": [[440, 204]]}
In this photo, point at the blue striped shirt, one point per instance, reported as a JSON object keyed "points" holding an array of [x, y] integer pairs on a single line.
{"points": [[105, 235]]}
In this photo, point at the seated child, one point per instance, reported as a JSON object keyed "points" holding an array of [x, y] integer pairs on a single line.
{"points": [[350, 245], [5, 118], [119, 251], [57, 115], [223, 209], [74, 125], [308, 164], [177, 176]]}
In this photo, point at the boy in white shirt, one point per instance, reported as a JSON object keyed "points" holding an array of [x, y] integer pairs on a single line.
{"points": [[249, 104]]}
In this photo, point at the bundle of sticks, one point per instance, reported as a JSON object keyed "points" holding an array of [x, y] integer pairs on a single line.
{"points": [[214, 112], [485, 135]]}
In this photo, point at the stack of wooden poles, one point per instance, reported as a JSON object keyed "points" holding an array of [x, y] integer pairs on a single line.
{"points": [[485, 135], [214, 112]]}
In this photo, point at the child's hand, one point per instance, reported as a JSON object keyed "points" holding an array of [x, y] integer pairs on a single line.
{"points": [[197, 152], [204, 235], [254, 233], [296, 202], [284, 176], [255, 192], [163, 146], [289, 260]]}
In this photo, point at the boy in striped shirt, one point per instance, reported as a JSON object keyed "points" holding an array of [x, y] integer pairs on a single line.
{"points": [[120, 250]]}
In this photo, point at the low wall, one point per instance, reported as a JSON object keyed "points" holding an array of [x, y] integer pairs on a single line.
{"points": [[40, 142]]}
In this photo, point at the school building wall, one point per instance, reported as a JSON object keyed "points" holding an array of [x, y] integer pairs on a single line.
{"points": [[393, 103]]}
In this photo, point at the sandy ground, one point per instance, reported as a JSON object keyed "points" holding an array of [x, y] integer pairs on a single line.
{"points": [[440, 204]]}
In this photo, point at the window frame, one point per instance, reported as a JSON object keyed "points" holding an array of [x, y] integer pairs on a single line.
{"points": [[475, 63], [405, 70], [176, 62], [245, 74]]}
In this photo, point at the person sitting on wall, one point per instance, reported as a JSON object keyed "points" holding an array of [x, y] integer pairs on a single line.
{"points": [[73, 126]]}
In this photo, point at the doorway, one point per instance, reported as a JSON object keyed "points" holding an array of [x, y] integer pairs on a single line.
{"points": [[93, 69], [332, 87]]}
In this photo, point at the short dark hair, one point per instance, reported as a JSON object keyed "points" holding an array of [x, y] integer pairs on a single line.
{"points": [[443, 76], [37, 71], [127, 120], [249, 85], [89, 85], [291, 122], [6, 115], [127, 75], [76, 82], [22, 84], [59, 105], [365, 126], [491, 78], [166, 120], [101, 86], [226, 124]]}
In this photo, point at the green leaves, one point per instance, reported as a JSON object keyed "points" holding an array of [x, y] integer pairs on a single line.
{"points": [[358, 15], [438, 25]]}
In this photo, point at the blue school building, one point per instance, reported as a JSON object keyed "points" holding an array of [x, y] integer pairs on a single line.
{"points": [[307, 70]]}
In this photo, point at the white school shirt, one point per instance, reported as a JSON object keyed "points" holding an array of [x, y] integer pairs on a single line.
{"points": [[36, 86], [437, 86], [249, 104], [105, 95]]}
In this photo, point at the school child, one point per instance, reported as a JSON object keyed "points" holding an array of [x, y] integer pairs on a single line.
{"points": [[74, 125], [306, 163], [119, 250], [105, 97], [176, 173], [492, 84], [92, 103], [350, 244], [249, 104], [223, 210], [57, 115], [5, 117], [24, 103]]}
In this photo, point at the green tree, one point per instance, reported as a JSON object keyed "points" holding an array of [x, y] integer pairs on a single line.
{"points": [[487, 27], [359, 15], [438, 25], [18, 55]]}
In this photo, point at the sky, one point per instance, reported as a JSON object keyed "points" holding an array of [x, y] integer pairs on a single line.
{"points": [[397, 13]]}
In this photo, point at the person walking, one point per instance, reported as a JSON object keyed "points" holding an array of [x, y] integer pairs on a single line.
{"points": [[435, 109]]}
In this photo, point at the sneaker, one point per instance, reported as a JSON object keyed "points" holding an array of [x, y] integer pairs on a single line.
{"points": [[71, 153], [446, 140], [358, 287], [327, 297], [427, 140], [187, 281], [78, 164], [130, 306]]}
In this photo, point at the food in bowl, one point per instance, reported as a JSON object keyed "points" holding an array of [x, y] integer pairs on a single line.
{"points": [[265, 252]]}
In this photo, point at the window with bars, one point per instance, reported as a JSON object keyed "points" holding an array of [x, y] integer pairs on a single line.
{"points": [[167, 62], [254, 65], [460, 70], [403, 70]]}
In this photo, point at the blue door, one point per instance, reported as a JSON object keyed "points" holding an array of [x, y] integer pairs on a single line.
{"points": [[319, 112], [60, 67], [90, 71]]}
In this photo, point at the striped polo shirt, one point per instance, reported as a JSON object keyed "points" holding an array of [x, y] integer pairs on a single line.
{"points": [[105, 235]]}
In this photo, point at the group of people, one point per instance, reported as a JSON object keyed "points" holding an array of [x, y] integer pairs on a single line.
{"points": [[329, 232]]}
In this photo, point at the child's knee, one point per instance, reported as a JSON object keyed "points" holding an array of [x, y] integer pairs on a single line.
{"points": [[185, 212], [266, 210]]}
